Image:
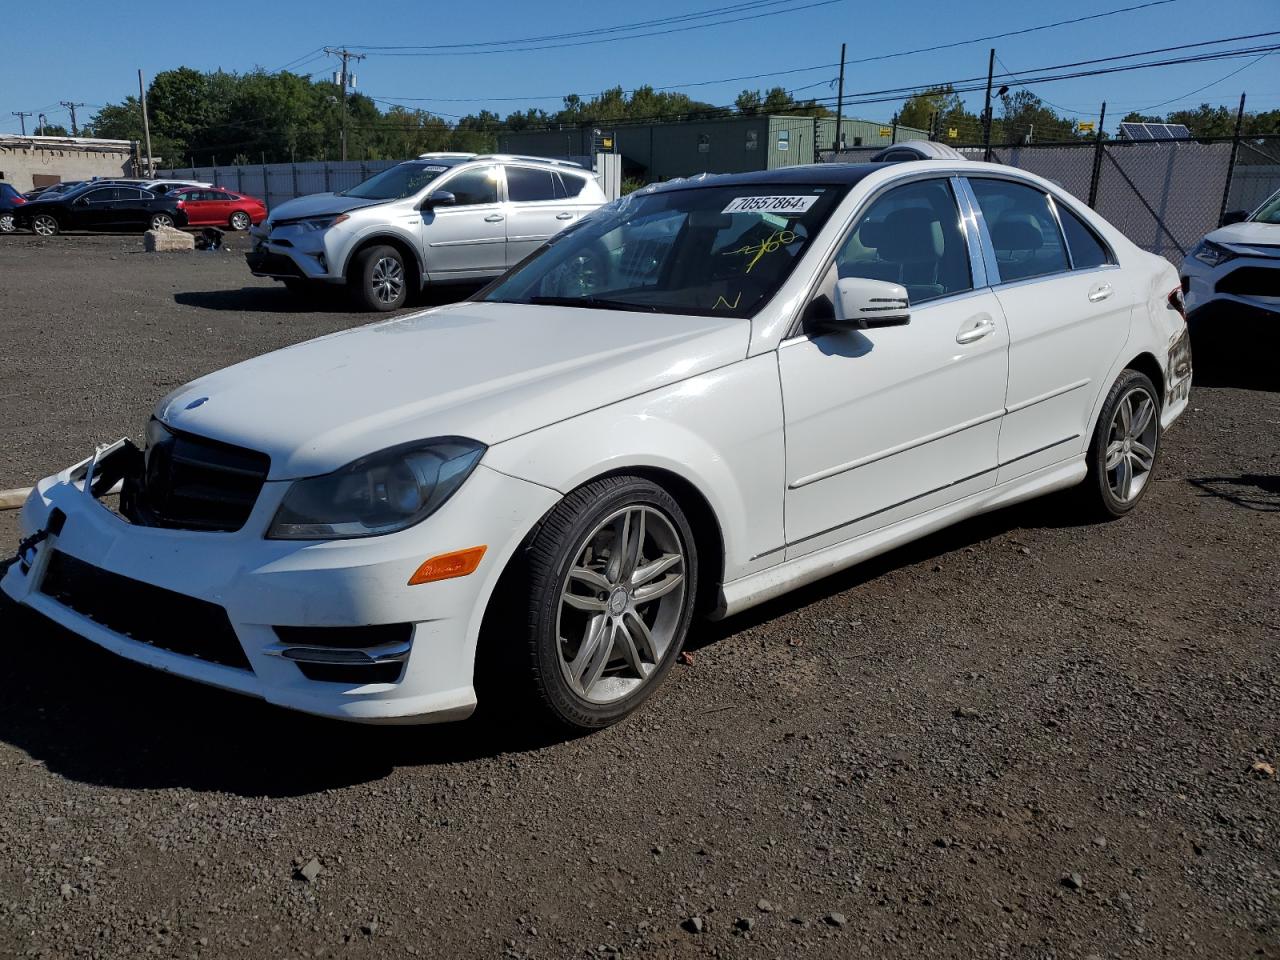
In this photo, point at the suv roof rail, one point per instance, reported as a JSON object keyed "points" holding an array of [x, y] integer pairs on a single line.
{"points": [[445, 155], [525, 157]]}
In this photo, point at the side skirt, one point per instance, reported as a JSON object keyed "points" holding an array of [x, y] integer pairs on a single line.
{"points": [[747, 592]]}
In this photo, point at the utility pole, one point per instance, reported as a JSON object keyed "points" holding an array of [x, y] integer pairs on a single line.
{"points": [[1097, 158], [75, 131], [41, 122], [1231, 164], [22, 119], [840, 101], [344, 79], [986, 110], [146, 124]]}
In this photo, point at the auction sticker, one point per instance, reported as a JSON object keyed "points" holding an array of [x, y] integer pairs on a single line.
{"points": [[797, 204]]}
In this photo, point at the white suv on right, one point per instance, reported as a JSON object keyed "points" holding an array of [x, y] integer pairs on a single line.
{"points": [[441, 218], [1235, 270]]}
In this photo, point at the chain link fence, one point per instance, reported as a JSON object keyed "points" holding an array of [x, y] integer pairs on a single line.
{"points": [[1164, 195]]}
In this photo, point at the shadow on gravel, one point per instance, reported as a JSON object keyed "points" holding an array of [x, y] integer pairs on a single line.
{"points": [[92, 717], [1251, 491], [276, 299], [1241, 355], [1055, 512]]}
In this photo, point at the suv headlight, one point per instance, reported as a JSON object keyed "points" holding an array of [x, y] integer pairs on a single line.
{"points": [[1212, 253], [381, 493], [323, 223]]}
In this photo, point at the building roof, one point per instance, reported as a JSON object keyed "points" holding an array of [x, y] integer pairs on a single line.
{"points": [[82, 143]]}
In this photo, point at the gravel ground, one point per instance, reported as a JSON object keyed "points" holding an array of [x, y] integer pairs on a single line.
{"points": [[1020, 737]]}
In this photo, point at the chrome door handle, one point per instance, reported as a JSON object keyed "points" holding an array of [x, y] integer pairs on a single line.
{"points": [[1100, 292], [564, 216], [494, 218], [976, 328]]}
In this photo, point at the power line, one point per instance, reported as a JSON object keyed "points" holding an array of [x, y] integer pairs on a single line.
{"points": [[1165, 103]]}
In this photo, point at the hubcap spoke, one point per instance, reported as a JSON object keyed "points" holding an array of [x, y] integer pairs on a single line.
{"points": [[653, 591], [579, 602], [1143, 455], [591, 579], [651, 571], [1115, 451], [593, 656], [639, 632]]}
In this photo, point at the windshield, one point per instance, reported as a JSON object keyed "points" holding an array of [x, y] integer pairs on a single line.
{"points": [[720, 251], [1269, 212], [402, 180]]}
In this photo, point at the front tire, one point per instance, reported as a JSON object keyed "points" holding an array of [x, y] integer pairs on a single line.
{"points": [[612, 580], [240, 221], [45, 225], [6, 223], [1126, 443], [379, 280]]}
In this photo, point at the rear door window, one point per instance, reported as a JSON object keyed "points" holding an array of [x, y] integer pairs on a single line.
{"points": [[1087, 251], [526, 185], [1022, 228], [568, 185]]}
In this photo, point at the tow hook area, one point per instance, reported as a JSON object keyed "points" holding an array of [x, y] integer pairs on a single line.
{"points": [[26, 559]]}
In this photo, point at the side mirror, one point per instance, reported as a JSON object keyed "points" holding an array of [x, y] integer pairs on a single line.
{"points": [[864, 303], [439, 198], [1235, 216]]}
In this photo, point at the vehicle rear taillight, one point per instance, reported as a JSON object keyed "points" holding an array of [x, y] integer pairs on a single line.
{"points": [[182, 204], [19, 201], [1176, 301]]}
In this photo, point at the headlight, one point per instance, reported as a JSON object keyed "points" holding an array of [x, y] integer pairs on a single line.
{"points": [[381, 493], [1212, 253], [322, 223]]}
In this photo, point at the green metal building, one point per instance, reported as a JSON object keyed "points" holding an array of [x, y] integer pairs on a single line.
{"points": [[681, 148]]}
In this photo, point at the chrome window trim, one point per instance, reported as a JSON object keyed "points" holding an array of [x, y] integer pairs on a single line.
{"points": [[795, 329], [980, 250], [1062, 234]]}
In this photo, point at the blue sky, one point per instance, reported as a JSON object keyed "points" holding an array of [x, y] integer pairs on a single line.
{"points": [[73, 52]]}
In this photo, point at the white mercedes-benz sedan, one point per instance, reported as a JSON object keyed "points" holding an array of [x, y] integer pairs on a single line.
{"points": [[697, 398]]}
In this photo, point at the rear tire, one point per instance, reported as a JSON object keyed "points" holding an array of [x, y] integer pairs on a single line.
{"points": [[45, 225], [611, 582], [379, 280], [6, 223], [160, 221], [240, 221], [1124, 450]]}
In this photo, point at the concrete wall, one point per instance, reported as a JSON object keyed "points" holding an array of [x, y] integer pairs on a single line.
{"points": [[26, 160]]}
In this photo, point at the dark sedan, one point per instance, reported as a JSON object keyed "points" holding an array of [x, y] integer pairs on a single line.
{"points": [[101, 208], [10, 200]]}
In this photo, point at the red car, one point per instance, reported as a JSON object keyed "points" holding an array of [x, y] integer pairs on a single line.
{"points": [[218, 207]]}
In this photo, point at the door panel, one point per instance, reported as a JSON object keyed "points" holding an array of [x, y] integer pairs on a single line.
{"points": [[1066, 327], [889, 422], [468, 239], [536, 210]]}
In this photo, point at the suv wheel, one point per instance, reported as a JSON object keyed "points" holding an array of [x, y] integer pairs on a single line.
{"points": [[379, 280]]}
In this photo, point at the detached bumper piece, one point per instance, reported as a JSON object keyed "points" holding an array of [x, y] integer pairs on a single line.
{"points": [[347, 655], [145, 613]]}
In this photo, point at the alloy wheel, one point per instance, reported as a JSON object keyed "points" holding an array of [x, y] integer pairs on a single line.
{"points": [[6, 223], [240, 221], [45, 225], [161, 220], [621, 604], [1131, 444], [387, 280]]}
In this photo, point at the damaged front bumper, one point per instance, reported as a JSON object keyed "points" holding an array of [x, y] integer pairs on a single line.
{"points": [[270, 618]]}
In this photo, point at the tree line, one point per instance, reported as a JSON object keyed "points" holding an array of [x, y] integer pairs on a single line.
{"points": [[199, 118]]}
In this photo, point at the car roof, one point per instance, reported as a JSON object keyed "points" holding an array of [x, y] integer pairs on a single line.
{"points": [[814, 174]]}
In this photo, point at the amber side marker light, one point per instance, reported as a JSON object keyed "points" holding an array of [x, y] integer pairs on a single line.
{"points": [[448, 565]]}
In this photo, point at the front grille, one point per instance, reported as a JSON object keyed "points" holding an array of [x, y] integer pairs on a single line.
{"points": [[272, 264], [1251, 282], [145, 613], [191, 483]]}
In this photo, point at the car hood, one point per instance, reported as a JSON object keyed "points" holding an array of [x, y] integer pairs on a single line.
{"points": [[319, 205], [488, 371], [1247, 237]]}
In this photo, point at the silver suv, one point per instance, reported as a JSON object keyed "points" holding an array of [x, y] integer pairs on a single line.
{"points": [[442, 218]]}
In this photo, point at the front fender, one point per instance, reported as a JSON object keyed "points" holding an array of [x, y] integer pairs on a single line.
{"points": [[721, 432]]}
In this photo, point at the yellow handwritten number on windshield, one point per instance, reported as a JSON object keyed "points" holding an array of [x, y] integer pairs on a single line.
{"points": [[776, 241]]}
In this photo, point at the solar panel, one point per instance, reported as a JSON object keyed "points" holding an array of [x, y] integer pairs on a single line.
{"points": [[1154, 131]]}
